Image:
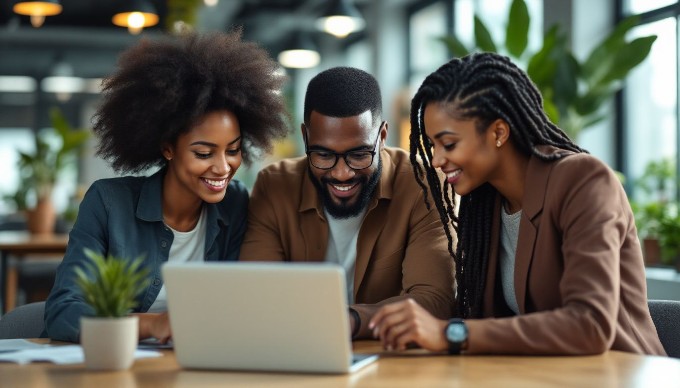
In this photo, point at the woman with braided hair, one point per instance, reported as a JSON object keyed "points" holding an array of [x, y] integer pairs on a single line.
{"points": [[547, 259]]}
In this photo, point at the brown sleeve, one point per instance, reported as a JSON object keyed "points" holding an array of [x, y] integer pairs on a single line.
{"points": [[262, 241]]}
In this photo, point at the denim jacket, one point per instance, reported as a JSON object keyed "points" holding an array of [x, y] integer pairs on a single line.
{"points": [[124, 217]]}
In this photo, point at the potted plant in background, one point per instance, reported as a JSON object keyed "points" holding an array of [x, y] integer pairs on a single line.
{"points": [[573, 91], [110, 286], [656, 216], [40, 170]]}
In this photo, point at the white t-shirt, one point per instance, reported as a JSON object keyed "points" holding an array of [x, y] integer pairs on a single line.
{"points": [[342, 246], [509, 235], [186, 246]]}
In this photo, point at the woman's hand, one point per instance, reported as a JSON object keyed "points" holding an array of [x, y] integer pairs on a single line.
{"points": [[156, 325], [401, 323]]}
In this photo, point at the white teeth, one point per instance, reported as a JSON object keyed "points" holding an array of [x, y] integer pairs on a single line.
{"points": [[343, 188], [214, 183], [453, 174]]}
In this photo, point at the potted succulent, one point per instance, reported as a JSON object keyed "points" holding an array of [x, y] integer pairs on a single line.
{"points": [[110, 286], [40, 169]]}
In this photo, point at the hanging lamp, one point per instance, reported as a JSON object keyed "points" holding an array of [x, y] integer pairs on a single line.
{"points": [[340, 19], [136, 16], [38, 10]]}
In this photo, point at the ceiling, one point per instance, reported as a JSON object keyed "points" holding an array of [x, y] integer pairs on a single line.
{"points": [[84, 37]]}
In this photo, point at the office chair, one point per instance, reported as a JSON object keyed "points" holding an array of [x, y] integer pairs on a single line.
{"points": [[666, 317], [25, 321]]}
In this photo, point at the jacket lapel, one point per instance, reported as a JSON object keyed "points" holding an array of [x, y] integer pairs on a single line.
{"points": [[374, 222], [535, 188], [313, 223]]}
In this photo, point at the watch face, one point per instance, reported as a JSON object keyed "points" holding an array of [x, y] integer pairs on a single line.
{"points": [[456, 332]]}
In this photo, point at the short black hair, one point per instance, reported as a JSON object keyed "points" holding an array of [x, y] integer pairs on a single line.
{"points": [[343, 92], [163, 87]]}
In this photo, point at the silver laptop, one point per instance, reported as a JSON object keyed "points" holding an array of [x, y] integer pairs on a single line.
{"points": [[261, 316]]}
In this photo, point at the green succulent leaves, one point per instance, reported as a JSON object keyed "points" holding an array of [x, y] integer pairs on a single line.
{"points": [[111, 285]]}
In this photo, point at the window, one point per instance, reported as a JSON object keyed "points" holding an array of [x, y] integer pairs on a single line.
{"points": [[650, 98]]}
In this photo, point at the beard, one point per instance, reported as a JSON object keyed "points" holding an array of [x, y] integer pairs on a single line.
{"points": [[345, 209]]}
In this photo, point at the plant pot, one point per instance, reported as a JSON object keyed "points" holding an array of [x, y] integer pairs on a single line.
{"points": [[651, 251], [42, 218], [109, 343]]}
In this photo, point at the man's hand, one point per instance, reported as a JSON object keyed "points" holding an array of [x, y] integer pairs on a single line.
{"points": [[401, 323]]}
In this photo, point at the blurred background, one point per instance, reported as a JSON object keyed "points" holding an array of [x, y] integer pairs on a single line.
{"points": [[61, 64], [618, 95]]}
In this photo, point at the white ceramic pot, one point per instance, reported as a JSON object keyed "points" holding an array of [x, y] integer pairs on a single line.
{"points": [[109, 343]]}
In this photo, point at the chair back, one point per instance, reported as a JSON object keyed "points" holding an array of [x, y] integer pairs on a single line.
{"points": [[666, 317], [25, 321]]}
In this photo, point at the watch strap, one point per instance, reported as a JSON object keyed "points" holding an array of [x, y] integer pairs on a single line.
{"points": [[455, 347]]}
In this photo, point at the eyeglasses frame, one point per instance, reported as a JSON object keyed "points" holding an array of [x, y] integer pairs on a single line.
{"points": [[343, 154]]}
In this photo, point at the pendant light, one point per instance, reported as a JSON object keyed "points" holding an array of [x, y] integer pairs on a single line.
{"points": [[300, 52], [340, 19], [37, 10], [139, 14]]}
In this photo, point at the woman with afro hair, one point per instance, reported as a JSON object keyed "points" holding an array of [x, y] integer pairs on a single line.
{"points": [[195, 106]]}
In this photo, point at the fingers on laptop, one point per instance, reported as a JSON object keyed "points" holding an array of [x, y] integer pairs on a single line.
{"points": [[399, 325]]}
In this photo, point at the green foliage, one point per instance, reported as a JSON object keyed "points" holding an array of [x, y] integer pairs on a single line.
{"points": [[660, 217], [39, 170], [111, 285], [573, 91]]}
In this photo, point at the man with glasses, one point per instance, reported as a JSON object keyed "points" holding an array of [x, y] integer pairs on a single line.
{"points": [[352, 201]]}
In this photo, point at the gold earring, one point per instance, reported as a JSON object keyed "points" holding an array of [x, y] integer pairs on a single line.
{"points": [[498, 143]]}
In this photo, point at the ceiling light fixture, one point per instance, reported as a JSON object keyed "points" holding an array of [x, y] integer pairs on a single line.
{"points": [[138, 15], [300, 53], [37, 10], [341, 19]]}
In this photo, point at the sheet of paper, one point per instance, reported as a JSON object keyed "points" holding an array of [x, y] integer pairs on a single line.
{"points": [[69, 354], [11, 345]]}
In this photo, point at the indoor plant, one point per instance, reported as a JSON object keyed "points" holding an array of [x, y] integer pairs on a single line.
{"points": [[40, 169], [110, 286], [656, 216], [573, 91]]}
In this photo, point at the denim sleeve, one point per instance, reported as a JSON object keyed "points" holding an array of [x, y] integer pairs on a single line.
{"points": [[65, 304], [239, 222]]}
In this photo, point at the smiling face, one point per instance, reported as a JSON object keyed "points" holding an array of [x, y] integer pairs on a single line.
{"points": [[345, 191], [203, 160], [469, 158]]}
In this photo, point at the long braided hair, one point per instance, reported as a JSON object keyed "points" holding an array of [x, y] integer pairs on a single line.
{"points": [[484, 87]]}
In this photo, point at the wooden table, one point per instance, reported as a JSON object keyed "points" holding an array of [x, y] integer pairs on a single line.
{"points": [[414, 368], [18, 245]]}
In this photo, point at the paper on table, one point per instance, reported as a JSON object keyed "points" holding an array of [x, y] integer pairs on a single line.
{"points": [[69, 354], [11, 345]]}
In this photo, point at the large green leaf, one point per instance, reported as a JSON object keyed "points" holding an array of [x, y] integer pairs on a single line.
{"points": [[517, 31], [483, 37], [600, 60], [455, 46], [565, 82], [591, 101], [628, 57], [542, 65]]}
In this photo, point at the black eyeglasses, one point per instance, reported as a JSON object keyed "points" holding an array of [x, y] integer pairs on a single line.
{"points": [[356, 160]]}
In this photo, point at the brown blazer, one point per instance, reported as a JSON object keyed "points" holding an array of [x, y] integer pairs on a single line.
{"points": [[401, 250], [579, 275]]}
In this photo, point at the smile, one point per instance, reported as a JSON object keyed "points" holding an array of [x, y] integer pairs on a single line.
{"points": [[343, 191], [453, 176], [215, 184]]}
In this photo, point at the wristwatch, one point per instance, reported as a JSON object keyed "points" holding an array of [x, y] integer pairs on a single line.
{"points": [[456, 333]]}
